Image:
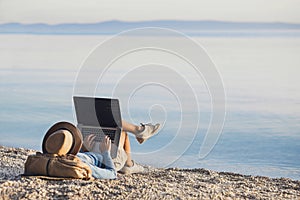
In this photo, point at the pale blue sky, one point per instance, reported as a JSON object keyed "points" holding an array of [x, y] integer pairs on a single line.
{"points": [[90, 11]]}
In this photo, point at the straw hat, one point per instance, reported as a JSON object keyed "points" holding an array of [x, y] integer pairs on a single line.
{"points": [[62, 138]]}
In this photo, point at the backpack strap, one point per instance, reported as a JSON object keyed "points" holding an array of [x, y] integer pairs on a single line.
{"points": [[47, 167]]}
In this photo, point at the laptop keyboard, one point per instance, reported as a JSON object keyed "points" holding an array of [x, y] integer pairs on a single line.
{"points": [[100, 133]]}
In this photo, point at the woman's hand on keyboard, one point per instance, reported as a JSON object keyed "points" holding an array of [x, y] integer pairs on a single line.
{"points": [[89, 142], [105, 145]]}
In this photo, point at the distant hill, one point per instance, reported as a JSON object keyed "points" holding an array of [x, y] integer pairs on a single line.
{"points": [[112, 27]]}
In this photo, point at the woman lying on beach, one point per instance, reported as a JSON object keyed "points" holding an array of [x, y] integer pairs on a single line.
{"points": [[97, 154]]}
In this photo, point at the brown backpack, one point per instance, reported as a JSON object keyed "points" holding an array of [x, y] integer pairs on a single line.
{"points": [[67, 166]]}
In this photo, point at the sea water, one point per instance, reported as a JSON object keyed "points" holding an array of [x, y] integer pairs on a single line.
{"points": [[261, 133]]}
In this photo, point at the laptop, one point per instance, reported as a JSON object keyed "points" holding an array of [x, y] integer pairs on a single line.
{"points": [[99, 116]]}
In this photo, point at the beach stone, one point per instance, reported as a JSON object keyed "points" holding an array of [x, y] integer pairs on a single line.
{"points": [[157, 183]]}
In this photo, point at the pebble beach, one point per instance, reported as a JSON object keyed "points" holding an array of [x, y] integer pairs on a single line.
{"points": [[157, 183]]}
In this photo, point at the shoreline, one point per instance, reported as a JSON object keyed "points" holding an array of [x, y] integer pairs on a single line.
{"points": [[158, 183]]}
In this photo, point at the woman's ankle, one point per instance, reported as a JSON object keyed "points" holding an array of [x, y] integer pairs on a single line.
{"points": [[140, 129], [129, 163]]}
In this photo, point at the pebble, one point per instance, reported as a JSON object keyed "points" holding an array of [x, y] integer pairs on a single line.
{"points": [[171, 183]]}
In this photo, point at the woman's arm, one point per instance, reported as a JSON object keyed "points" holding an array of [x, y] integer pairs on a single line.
{"points": [[94, 160], [107, 171]]}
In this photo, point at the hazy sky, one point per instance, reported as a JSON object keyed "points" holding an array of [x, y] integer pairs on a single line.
{"points": [[89, 11]]}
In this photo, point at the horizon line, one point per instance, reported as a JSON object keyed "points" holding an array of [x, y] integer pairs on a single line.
{"points": [[146, 21]]}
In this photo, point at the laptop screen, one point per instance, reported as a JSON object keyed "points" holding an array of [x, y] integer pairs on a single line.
{"points": [[98, 112]]}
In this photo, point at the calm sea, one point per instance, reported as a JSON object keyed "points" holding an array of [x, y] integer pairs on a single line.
{"points": [[261, 134]]}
